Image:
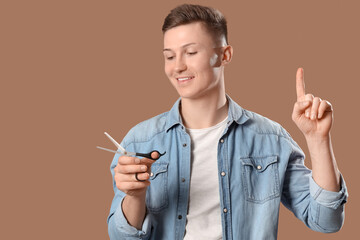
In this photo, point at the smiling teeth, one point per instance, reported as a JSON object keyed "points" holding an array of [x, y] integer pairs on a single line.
{"points": [[185, 78]]}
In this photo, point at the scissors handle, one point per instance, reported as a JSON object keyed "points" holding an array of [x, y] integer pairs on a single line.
{"points": [[148, 155]]}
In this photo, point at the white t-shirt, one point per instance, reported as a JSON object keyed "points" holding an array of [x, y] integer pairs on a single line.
{"points": [[204, 213]]}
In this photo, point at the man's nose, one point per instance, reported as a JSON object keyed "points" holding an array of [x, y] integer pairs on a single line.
{"points": [[180, 65]]}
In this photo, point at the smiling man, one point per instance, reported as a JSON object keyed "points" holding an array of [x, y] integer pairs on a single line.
{"points": [[226, 169]]}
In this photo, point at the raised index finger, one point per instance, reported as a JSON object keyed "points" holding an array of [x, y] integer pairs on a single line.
{"points": [[300, 83]]}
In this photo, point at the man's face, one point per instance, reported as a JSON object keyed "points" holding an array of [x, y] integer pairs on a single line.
{"points": [[192, 60]]}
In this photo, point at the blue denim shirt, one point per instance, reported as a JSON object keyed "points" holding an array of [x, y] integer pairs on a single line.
{"points": [[263, 166]]}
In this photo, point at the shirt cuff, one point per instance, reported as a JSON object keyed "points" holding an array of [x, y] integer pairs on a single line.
{"points": [[129, 230], [328, 198]]}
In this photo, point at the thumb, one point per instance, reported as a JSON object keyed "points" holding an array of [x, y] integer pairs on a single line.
{"points": [[155, 155]]}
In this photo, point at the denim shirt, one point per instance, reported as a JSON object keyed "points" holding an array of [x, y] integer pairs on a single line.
{"points": [[259, 166]]}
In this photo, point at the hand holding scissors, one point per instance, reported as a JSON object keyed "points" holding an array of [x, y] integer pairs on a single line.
{"points": [[153, 155]]}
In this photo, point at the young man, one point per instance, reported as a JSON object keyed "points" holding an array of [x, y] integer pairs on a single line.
{"points": [[226, 169]]}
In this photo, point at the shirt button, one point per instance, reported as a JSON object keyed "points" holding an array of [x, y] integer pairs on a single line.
{"points": [[183, 179], [223, 174], [259, 167], [151, 174], [179, 217], [225, 210], [184, 145], [222, 140]]}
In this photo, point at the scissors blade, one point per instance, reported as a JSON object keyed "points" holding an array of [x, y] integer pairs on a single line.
{"points": [[109, 150], [126, 153], [115, 142]]}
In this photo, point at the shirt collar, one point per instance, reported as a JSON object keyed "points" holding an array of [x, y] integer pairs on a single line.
{"points": [[235, 113], [174, 117]]}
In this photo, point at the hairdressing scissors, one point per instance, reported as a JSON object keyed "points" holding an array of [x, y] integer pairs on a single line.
{"points": [[122, 150]]}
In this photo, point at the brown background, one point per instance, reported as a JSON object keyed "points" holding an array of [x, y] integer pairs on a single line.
{"points": [[71, 70]]}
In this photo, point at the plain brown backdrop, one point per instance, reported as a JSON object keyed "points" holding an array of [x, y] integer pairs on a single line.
{"points": [[71, 70]]}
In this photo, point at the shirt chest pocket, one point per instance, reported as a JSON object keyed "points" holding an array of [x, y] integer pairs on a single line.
{"points": [[157, 193], [260, 177]]}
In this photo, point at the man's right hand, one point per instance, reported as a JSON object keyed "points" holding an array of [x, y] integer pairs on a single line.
{"points": [[125, 172]]}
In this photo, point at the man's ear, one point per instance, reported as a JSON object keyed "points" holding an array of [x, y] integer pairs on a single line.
{"points": [[227, 55]]}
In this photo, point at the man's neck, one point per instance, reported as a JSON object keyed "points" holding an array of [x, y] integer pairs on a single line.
{"points": [[204, 112]]}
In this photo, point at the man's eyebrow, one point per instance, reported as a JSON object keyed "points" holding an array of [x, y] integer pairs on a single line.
{"points": [[183, 46]]}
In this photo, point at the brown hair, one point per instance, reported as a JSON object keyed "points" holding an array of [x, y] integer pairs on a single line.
{"points": [[213, 19]]}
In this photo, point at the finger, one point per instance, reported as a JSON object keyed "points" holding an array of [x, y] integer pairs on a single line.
{"points": [[127, 160], [308, 97], [147, 161], [300, 84], [127, 169], [299, 108], [131, 177], [315, 108], [325, 106], [133, 185], [142, 176]]}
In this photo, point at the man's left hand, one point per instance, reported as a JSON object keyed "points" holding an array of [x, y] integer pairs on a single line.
{"points": [[312, 115]]}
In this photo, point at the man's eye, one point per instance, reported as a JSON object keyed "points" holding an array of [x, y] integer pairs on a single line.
{"points": [[192, 53], [170, 58]]}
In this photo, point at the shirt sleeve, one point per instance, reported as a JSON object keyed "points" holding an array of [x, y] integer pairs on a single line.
{"points": [[328, 198], [319, 209], [119, 228]]}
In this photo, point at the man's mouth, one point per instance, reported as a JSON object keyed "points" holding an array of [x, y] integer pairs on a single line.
{"points": [[183, 79]]}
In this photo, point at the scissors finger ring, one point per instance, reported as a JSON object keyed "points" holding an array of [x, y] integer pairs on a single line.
{"points": [[136, 176], [148, 155]]}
